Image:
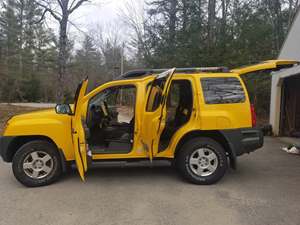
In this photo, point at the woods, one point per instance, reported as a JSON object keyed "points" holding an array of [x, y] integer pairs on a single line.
{"points": [[211, 33], [38, 63]]}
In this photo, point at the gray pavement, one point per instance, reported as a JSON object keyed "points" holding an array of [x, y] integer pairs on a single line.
{"points": [[264, 190]]}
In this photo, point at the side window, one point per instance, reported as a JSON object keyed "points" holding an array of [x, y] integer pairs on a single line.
{"points": [[222, 90], [117, 102], [155, 95], [157, 87]]}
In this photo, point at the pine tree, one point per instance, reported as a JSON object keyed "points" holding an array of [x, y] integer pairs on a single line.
{"points": [[20, 45], [10, 53], [87, 62], [30, 85]]}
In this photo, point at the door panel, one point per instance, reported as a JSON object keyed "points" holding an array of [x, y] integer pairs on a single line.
{"points": [[179, 109], [78, 133], [155, 112]]}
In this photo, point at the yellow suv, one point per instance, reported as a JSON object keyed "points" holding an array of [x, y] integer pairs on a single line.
{"points": [[198, 118]]}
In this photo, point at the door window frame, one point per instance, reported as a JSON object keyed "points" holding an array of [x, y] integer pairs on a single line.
{"points": [[192, 109], [114, 86]]}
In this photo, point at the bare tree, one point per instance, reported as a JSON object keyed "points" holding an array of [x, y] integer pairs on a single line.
{"points": [[109, 42], [61, 10], [132, 15], [293, 7]]}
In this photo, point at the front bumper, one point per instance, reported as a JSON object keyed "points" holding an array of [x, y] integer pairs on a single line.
{"points": [[244, 140], [4, 148]]}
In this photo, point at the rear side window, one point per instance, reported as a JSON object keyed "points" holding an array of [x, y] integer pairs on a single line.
{"points": [[222, 90]]}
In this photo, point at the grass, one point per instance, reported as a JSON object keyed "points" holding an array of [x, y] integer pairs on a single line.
{"points": [[7, 111]]}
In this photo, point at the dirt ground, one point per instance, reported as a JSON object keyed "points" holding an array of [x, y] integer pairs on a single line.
{"points": [[7, 111]]}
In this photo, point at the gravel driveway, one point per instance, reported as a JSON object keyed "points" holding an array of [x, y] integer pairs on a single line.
{"points": [[264, 190]]}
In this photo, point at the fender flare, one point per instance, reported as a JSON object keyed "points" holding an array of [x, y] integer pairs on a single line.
{"points": [[218, 136]]}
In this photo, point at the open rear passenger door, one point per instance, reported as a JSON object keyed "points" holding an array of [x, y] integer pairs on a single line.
{"points": [[270, 65], [155, 112], [78, 132]]}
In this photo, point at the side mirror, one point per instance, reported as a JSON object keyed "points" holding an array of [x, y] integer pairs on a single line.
{"points": [[63, 109]]}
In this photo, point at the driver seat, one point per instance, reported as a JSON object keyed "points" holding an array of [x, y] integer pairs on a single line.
{"points": [[122, 132]]}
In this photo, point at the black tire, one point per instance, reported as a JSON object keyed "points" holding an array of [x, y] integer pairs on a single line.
{"points": [[174, 165], [189, 148], [36, 146]]}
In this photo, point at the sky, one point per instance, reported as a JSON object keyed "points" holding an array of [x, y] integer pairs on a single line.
{"points": [[97, 12]]}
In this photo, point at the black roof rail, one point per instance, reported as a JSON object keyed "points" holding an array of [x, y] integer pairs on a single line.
{"points": [[144, 72]]}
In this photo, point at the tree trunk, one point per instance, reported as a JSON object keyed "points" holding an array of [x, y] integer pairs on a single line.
{"points": [[198, 17], [184, 14], [21, 20], [278, 24], [211, 23], [62, 55], [172, 21], [62, 59], [223, 27]]}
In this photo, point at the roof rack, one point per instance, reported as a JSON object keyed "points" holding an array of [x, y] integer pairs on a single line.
{"points": [[140, 73]]}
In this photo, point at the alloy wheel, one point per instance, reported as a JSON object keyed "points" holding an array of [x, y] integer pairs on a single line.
{"points": [[203, 161], [38, 164]]}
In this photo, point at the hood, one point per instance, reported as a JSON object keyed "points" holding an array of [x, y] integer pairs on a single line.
{"points": [[37, 123], [46, 113]]}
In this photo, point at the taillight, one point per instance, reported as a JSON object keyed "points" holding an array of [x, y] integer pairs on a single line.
{"points": [[253, 115]]}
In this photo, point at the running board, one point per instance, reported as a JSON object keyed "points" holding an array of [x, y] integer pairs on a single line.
{"points": [[133, 162]]}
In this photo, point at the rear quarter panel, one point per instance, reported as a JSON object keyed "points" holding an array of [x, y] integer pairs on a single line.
{"points": [[224, 116], [211, 116]]}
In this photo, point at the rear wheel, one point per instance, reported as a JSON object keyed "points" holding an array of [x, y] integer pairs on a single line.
{"points": [[202, 161], [37, 163]]}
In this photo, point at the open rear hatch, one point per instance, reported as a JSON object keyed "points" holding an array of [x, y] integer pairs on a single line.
{"points": [[270, 65]]}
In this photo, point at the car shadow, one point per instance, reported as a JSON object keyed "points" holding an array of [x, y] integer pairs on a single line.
{"points": [[127, 172]]}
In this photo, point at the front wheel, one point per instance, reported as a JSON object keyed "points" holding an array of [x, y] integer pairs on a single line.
{"points": [[37, 163], [202, 161]]}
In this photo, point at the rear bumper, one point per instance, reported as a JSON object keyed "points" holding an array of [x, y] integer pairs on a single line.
{"points": [[4, 147], [244, 140]]}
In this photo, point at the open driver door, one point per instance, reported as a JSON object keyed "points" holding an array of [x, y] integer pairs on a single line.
{"points": [[78, 133]]}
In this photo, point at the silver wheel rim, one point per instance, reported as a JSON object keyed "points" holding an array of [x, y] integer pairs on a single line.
{"points": [[203, 162], [38, 164]]}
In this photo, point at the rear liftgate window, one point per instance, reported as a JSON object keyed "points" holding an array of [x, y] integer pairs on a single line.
{"points": [[222, 90]]}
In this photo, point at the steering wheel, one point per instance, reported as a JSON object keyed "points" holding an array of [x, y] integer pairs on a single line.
{"points": [[104, 108], [106, 112]]}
